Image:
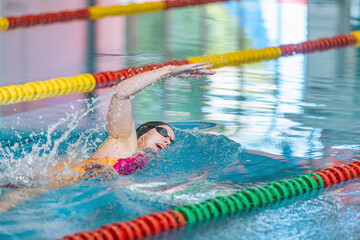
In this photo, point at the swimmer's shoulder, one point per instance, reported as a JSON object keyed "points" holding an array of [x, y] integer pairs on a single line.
{"points": [[114, 148]]}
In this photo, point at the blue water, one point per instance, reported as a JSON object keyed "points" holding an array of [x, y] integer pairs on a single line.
{"points": [[303, 108]]}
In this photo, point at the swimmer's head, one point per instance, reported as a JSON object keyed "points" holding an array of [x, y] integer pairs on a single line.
{"points": [[155, 135]]}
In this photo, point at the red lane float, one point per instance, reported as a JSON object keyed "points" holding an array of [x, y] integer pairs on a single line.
{"points": [[111, 78], [154, 223], [184, 3], [321, 44], [96, 12], [47, 18], [140, 227], [339, 174]]}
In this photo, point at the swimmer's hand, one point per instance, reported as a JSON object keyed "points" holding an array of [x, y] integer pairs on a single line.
{"points": [[191, 70], [134, 84]]}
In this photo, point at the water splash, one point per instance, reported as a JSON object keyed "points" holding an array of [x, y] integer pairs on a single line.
{"points": [[194, 153], [189, 170], [27, 160]]}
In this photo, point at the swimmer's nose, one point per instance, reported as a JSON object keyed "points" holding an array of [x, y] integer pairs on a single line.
{"points": [[167, 141]]}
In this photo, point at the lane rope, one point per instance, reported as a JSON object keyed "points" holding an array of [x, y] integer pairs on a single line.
{"points": [[88, 82], [96, 12], [242, 201]]}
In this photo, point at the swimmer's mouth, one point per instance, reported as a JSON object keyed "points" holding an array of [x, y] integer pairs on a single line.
{"points": [[159, 146]]}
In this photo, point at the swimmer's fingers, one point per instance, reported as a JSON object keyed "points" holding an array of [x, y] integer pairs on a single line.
{"points": [[201, 72], [191, 70], [204, 72], [191, 67], [187, 75], [197, 66], [198, 74]]}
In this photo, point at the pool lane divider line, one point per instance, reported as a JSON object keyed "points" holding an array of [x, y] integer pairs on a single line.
{"points": [[96, 12], [242, 201], [81, 83], [88, 82], [268, 53], [50, 88]]}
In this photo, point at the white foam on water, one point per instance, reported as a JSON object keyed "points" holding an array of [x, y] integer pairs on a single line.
{"points": [[33, 168]]}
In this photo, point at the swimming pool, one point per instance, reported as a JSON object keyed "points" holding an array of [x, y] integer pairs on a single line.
{"points": [[301, 107]]}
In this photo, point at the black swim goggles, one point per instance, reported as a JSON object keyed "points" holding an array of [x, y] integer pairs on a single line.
{"points": [[163, 132]]}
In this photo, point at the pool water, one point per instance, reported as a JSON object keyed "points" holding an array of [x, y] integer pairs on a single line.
{"points": [[303, 108]]}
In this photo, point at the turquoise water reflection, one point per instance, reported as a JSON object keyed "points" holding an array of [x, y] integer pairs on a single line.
{"points": [[300, 107]]}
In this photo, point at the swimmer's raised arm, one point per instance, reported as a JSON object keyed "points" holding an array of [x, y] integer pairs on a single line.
{"points": [[120, 123], [138, 82]]}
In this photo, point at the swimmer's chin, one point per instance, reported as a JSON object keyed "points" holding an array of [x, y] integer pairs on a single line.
{"points": [[149, 153], [151, 149]]}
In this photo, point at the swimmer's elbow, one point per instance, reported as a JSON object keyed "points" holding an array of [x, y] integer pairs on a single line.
{"points": [[123, 91], [120, 95], [122, 131]]}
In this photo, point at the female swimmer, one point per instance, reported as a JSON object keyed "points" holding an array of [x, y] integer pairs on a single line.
{"points": [[125, 145]]}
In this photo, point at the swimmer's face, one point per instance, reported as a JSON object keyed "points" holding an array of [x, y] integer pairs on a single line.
{"points": [[157, 138]]}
